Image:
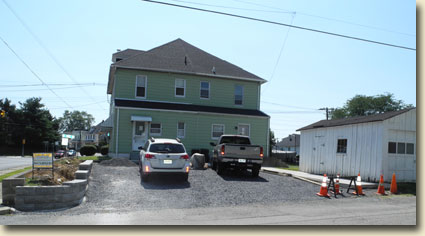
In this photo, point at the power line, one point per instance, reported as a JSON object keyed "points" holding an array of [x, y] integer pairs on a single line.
{"points": [[283, 24], [54, 108], [331, 19], [35, 85], [46, 49], [24, 90], [235, 8], [280, 53], [290, 106], [29, 68]]}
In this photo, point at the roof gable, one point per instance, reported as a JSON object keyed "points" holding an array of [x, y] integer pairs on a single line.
{"points": [[355, 120], [180, 56]]}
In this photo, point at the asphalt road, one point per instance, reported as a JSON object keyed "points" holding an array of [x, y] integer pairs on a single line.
{"points": [[7, 162], [117, 196]]}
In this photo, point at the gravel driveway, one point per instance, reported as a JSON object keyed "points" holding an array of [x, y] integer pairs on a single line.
{"points": [[115, 189]]}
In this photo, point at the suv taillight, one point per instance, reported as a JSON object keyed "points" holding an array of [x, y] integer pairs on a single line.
{"points": [[222, 150], [185, 157], [261, 152], [147, 155]]}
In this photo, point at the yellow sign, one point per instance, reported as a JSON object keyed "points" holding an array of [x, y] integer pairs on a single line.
{"points": [[42, 160], [2, 113]]}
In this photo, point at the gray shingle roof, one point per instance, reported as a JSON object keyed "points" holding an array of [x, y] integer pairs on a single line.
{"points": [[180, 56], [124, 54], [355, 120]]}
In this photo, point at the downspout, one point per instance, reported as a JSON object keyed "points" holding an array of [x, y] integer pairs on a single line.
{"points": [[116, 136], [268, 137]]}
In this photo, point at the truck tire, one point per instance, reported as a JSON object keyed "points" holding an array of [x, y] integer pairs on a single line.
{"points": [[214, 165], [255, 171], [220, 168]]}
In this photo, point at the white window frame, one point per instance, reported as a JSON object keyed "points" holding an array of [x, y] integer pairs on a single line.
{"points": [[146, 87], [155, 134], [209, 90], [234, 95], [212, 131], [184, 129], [249, 128], [175, 89]]}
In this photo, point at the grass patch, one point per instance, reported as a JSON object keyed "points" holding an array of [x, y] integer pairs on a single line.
{"points": [[32, 182], [94, 158], [2, 177], [291, 167], [406, 188]]}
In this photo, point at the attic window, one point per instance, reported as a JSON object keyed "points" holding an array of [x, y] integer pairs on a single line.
{"points": [[118, 59]]}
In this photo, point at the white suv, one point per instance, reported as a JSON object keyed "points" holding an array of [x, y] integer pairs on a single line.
{"points": [[163, 156]]}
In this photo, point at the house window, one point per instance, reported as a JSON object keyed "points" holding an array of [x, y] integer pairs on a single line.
{"points": [[90, 137], [401, 148], [205, 90], [243, 129], [180, 87], [392, 147], [342, 146], [181, 129], [410, 148], [238, 95], [155, 129], [217, 131], [141, 81]]}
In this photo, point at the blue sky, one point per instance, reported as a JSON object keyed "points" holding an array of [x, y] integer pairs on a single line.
{"points": [[313, 71]]}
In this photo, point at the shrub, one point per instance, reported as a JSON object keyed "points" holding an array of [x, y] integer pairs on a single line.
{"points": [[104, 150], [88, 150]]}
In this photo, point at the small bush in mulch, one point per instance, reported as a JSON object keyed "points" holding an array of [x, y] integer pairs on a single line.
{"points": [[104, 150], [118, 162], [88, 150]]}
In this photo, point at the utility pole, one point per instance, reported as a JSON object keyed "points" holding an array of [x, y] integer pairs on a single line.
{"points": [[327, 112]]}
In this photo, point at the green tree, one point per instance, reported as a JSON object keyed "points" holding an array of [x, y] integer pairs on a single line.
{"points": [[361, 105], [31, 122], [75, 120]]}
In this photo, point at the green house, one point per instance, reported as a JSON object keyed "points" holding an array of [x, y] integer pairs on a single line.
{"points": [[179, 91]]}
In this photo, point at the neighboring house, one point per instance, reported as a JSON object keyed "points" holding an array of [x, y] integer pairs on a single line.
{"points": [[82, 137], [179, 91], [290, 143], [372, 145]]}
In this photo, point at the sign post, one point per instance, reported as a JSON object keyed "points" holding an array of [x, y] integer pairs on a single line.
{"points": [[42, 161], [23, 145]]}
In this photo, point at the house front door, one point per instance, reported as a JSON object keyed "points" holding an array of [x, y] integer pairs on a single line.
{"points": [[140, 134]]}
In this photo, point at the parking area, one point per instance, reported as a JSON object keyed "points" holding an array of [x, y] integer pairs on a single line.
{"points": [[116, 189]]}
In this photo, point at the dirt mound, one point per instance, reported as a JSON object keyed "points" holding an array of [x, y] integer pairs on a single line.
{"points": [[118, 162]]}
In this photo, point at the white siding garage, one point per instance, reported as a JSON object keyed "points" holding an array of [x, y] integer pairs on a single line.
{"points": [[372, 145]]}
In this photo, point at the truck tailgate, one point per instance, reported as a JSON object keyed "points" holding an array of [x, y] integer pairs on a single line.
{"points": [[242, 151]]}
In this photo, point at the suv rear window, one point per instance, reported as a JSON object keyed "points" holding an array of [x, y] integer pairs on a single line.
{"points": [[235, 140], [167, 148]]}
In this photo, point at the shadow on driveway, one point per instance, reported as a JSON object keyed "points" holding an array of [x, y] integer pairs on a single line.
{"points": [[165, 181], [245, 176]]}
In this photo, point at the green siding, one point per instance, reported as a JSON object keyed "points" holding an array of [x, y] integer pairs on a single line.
{"points": [[160, 87], [198, 128]]}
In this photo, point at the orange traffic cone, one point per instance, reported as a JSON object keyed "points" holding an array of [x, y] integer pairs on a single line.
{"points": [[359, 190], [324, 188], [381, 188], [393, 188]]}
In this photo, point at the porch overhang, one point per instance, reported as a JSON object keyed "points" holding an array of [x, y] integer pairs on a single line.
{"points": [[141, 118]]}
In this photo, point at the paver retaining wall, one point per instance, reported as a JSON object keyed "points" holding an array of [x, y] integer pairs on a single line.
{"points": [[30, 198]]}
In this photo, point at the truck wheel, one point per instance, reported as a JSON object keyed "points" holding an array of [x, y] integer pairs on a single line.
{"points": [[220, 168], [255, 171], [214, 165]]}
